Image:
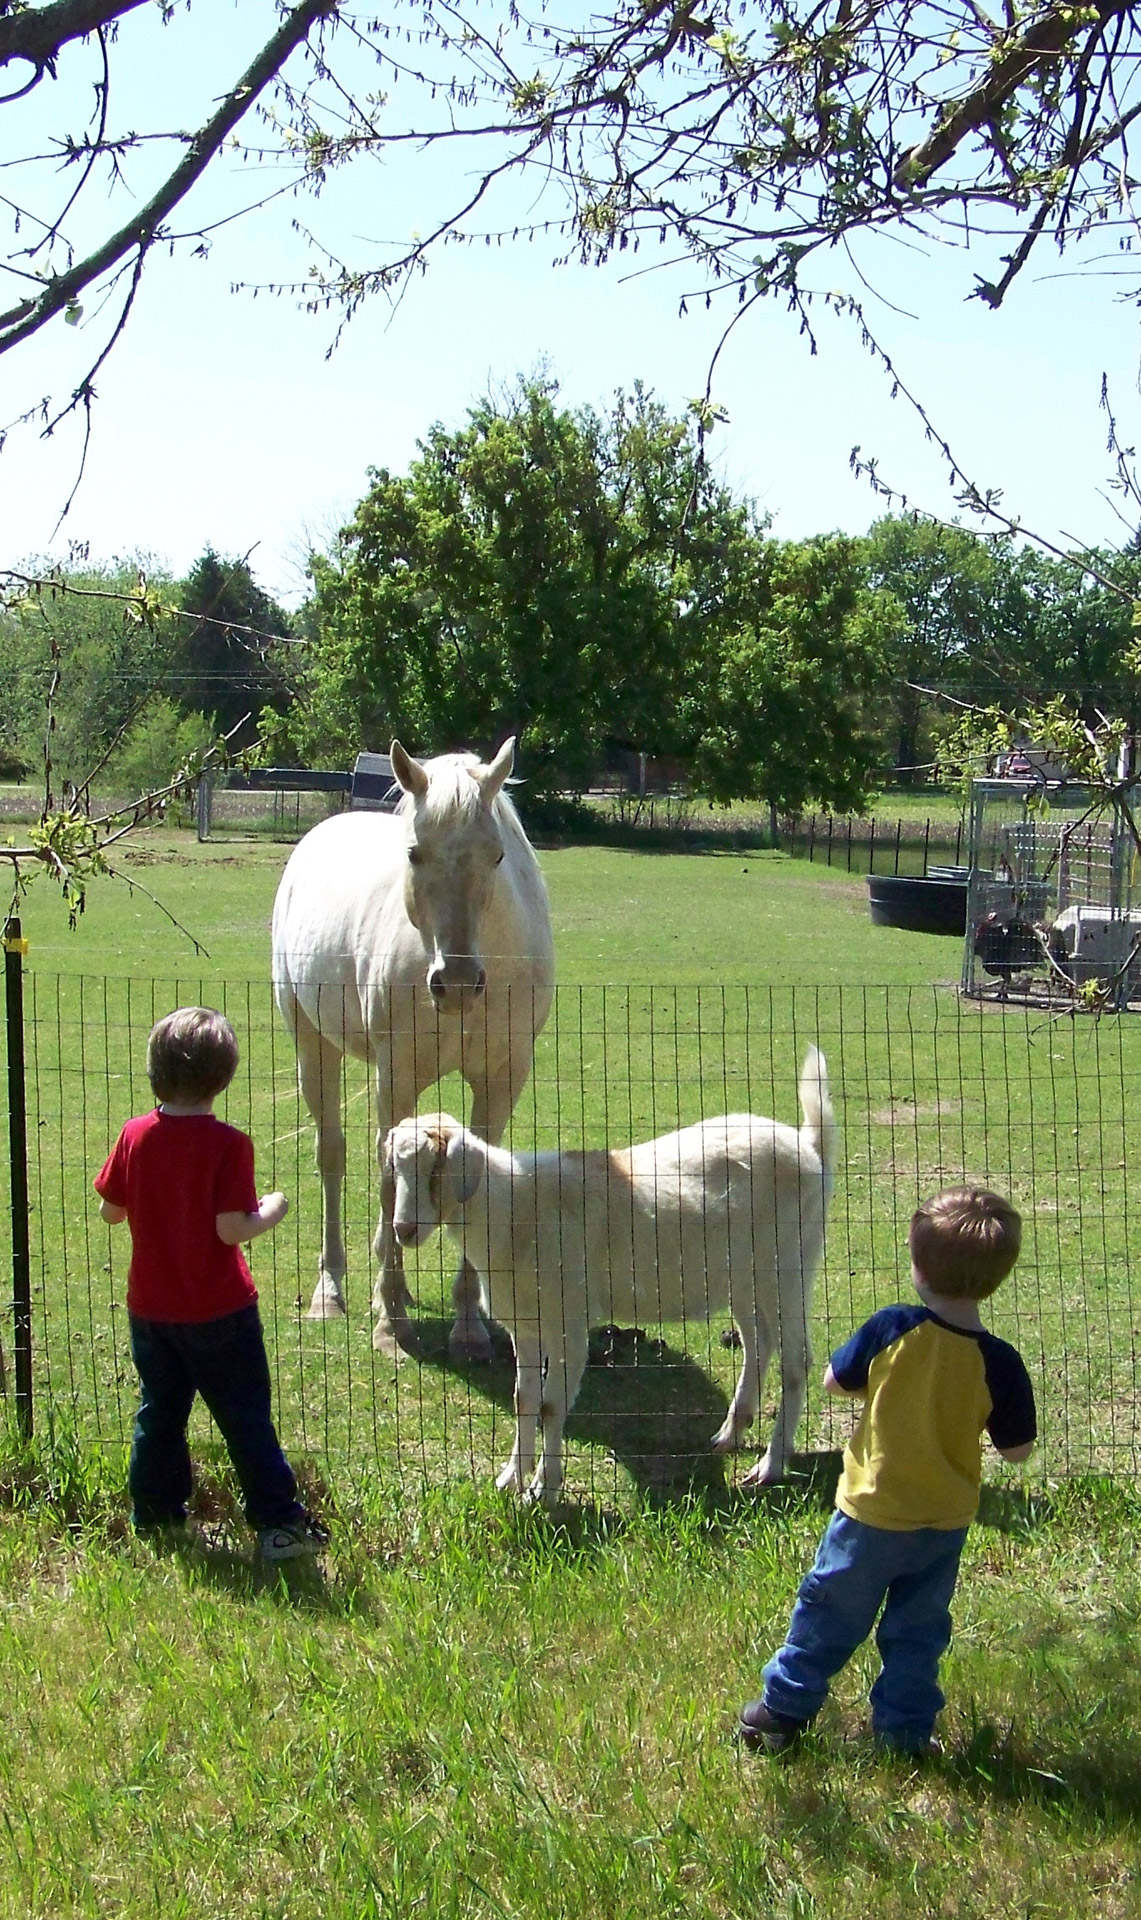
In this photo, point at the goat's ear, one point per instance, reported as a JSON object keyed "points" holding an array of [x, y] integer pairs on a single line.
{"points": [[409, 773], [464, 1166]]}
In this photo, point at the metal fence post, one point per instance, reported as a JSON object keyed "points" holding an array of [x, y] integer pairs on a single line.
{"points": [[15, 947]]}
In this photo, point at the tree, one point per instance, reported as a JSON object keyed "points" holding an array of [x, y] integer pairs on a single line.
{"points": [[783, 720], [228, 661], [751, 143], [541, 572], [79, 663], [51, 628], [962, 607]]}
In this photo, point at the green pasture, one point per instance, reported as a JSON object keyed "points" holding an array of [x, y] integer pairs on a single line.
{"points": [[469, 1711], [691, 985]]}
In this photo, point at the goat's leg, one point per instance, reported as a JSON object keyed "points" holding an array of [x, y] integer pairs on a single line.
{"points": [[566, 1364], [756, 1351], [394, 1332], [493, 1095], [319, 1074], [528, 1400], [795, 1360]]}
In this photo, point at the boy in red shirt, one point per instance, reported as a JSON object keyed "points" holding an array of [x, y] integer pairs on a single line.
{"points": [[184, 1182]]}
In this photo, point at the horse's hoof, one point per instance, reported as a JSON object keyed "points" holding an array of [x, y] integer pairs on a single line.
{"points": [[469, 1346], [395, 1338], [326, 1306]]}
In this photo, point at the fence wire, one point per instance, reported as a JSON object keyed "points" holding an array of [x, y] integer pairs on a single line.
{"points": [[928, 1089]]}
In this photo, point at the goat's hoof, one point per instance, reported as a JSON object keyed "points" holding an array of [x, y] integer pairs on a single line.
{"points": [[469, 1344], [765, 1474], [396, 1339]]}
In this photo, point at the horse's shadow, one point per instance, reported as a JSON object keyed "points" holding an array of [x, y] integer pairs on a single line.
{"points": [[644, 1402]]}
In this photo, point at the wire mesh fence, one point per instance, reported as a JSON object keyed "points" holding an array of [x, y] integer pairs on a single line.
{"points": [[929, 1089]]}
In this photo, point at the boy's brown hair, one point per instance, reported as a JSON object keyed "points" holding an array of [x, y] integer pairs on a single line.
{"points": [[192, 1055], [964, 1242]]}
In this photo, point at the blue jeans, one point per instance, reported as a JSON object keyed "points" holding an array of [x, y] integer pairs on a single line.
{"points": [[859, 1568], [225, 1361]]}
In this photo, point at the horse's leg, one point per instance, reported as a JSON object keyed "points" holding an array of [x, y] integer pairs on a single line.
{"points": [[319, 1063], [493, 1096]]}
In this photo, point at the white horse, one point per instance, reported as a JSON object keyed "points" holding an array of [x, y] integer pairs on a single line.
{"points": [[421, 941]]}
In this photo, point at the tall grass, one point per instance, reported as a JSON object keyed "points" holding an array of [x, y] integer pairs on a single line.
{"points": [[474, 1711]]}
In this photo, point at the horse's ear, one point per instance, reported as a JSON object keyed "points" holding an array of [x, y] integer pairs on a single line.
{"points": [[492, 778], [409, 773]]}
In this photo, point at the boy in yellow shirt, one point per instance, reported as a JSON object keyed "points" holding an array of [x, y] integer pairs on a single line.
{"points": [[933, 1380]]}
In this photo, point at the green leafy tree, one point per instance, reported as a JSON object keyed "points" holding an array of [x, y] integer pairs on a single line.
{"points": [[228, 662], [1076, 639], [162, 740], [79, 663], [964, 611], [783, 720], [539, 571]]}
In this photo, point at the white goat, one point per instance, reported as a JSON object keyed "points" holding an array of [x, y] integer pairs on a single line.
{"points": [[728, 1213]]}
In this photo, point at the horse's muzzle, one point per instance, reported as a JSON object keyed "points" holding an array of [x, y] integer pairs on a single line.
{"points": [[449, 981]]}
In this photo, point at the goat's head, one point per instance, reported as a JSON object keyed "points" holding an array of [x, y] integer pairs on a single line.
{"points": [[432, 1168]]}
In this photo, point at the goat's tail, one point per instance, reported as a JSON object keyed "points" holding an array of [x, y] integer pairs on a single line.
{"points": [[818, 1127]]}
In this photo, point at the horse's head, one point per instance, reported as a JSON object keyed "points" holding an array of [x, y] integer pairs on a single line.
{"points": [[454, 847]]}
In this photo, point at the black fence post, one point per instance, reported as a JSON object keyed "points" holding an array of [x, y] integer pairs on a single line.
{"points": [[15, 947]]}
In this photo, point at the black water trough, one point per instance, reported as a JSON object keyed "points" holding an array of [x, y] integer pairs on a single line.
{"points": [[921, 905]]}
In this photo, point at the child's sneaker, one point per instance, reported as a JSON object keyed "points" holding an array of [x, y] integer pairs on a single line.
{"points": [[291, 1542], [760, 1728]]}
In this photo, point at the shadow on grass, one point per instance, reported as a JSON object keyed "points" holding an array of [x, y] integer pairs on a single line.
{"points": [[652, 1408], [218, 1549], [1103, 1780]]}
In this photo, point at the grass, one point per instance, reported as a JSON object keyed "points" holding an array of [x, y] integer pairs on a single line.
{"points": [[474, 1711], [471, 1710]]}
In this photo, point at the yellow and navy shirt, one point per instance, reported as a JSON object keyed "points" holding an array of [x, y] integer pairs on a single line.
{"points": [[915, 1459]]}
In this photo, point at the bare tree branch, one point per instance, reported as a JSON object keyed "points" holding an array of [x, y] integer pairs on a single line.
{"points": [[38, 33], [141, 232]]}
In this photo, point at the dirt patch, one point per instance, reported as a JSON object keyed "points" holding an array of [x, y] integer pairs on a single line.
{"points": [[903, 1113]]}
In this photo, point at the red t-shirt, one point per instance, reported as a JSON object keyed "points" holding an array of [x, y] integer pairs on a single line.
{"points": [[174, 1173]]}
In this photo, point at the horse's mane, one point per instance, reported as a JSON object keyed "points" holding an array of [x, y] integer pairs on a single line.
{"points": [[452, 792]]}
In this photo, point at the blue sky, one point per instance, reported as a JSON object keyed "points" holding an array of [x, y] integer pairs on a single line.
{"points": [[220, 419]]}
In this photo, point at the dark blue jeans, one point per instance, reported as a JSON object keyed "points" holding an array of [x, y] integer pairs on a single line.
{"points": [[225, 1361], [859, 1569]]}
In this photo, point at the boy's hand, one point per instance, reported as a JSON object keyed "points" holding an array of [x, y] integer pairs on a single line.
{"points": [[273, 1208], [235, 1227]]}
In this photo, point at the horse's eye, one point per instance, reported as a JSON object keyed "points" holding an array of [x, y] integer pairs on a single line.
{"points": [[414, 856]]}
